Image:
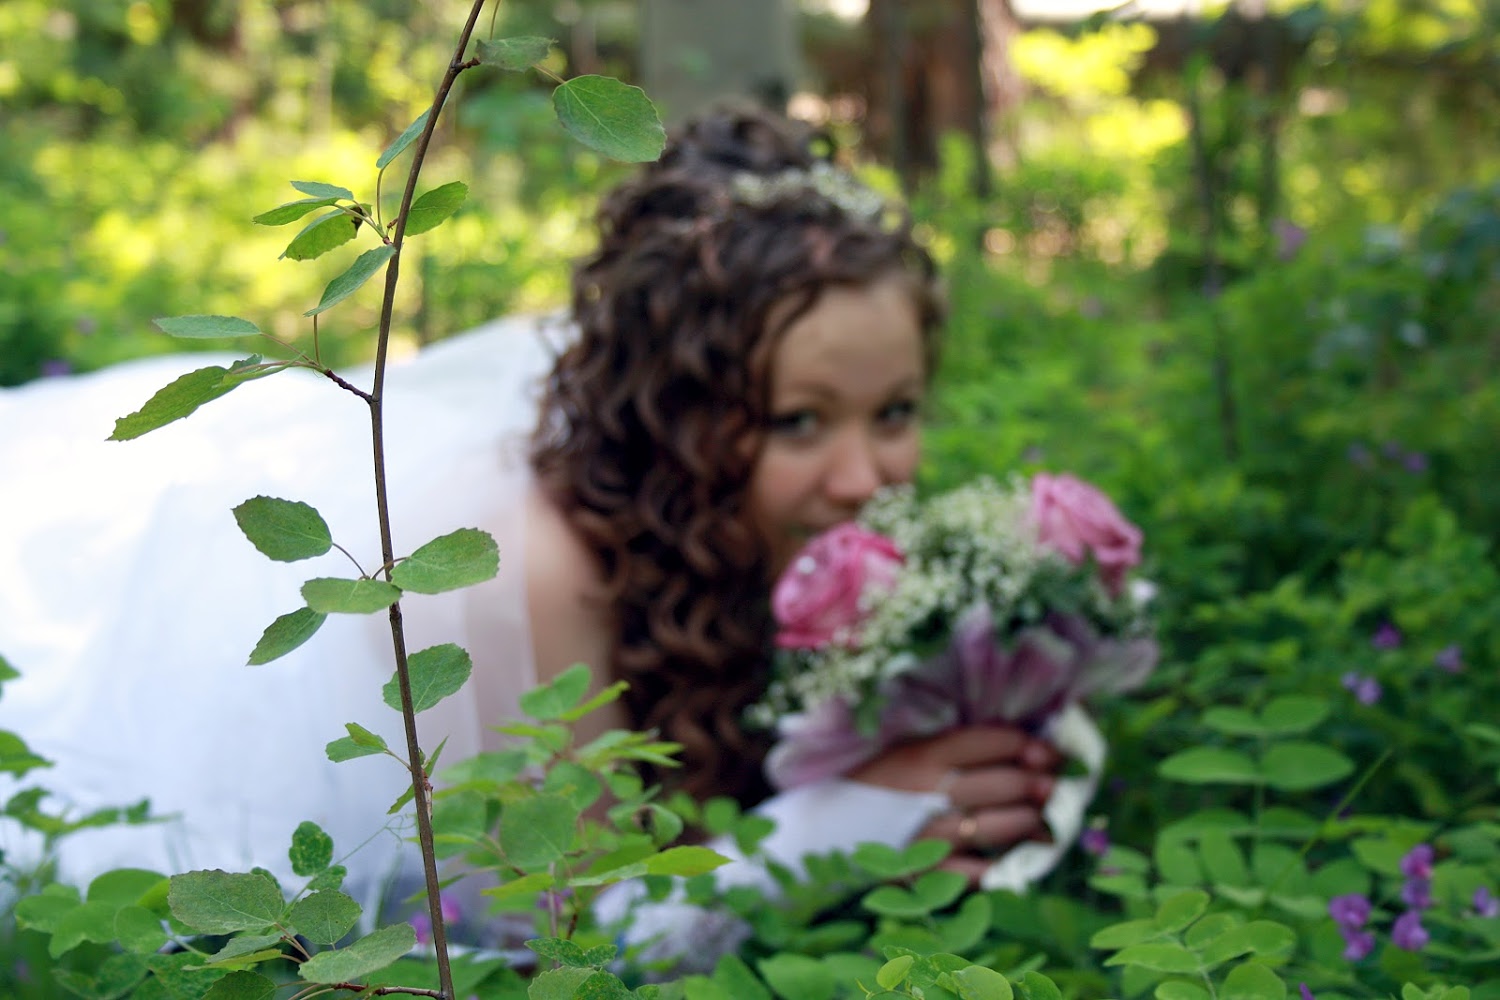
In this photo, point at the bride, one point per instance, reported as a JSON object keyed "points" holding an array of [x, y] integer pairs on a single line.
{"points": [[746, 362]]}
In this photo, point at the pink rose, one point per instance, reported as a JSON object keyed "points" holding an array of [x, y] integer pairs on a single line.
{"points": [[818, 599], [1079, 521]]}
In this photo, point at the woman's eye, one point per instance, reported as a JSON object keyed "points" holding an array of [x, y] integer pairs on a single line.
{"points": [[900, 413], [794, 423]]}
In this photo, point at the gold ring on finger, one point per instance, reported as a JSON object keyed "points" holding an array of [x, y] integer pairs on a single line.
{"points": [[968, 827]]}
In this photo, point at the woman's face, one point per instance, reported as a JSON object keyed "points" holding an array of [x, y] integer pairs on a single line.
{"points": [[847, 382]]}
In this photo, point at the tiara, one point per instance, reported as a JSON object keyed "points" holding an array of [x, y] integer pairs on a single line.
{"points": [[822, 178]]}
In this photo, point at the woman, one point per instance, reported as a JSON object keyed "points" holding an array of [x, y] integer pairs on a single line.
{"points": [[754, 339]]}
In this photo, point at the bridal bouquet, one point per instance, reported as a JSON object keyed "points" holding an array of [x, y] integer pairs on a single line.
{"points": [[991, 603]]}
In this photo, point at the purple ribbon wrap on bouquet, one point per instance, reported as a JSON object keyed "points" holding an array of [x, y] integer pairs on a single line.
{"points": [[1024, 678]]}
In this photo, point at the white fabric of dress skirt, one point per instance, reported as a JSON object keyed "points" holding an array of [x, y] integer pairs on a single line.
{"points": [[130, 600]]}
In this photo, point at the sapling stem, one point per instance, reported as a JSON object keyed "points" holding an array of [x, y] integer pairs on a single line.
{"points": [[375, 399]]}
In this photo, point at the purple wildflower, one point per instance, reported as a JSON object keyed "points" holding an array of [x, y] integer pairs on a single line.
{"points": [[1387, 636], [1366, 689], [1485, 903], [1450, 659], [1357, 944], [56, 367], [421, 925], [1095, 841], [1289, 238], [1408, 933], [1304, 992], [1417, 862], [1417, 893], [1415, 462], [1391, 450], [1349, 911], [1359, 455]]}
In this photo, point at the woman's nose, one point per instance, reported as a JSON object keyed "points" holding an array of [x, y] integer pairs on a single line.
{"points": [[854, 470]]}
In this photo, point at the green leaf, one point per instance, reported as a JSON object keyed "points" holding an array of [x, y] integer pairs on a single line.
{"points": [[550, 701], [195, 327], [406, 138], [317, 189], [492, 767], [1177, 989], [458, 559], [737, 979], [139, 930], [283, 530], [893, 901], [16, 757], [175, 401], [245, 946], [311, 850], [356, 744], [331, 595], [1223, 861], [938, 889], [242, 986], [89, 922], [560, 950], [797, 977], [369, 954], [1176, 862], [324, 917], [124, 886], [291, 211], [1293, 714], [219, 902], [327, 232], [1298, 766], [523, 886], [1210, 928], [330, 878], [1035, 986], [435, 672], [1252, 981], [285, 634], [1233, 721], [44, 912], [979, 983], [557, 984], [610, 117], [602, 986], [893, 973], [1180, 910], [684, 861], [361, 271], [535, 832], [1161, 956], [514, 54], [1123, 934], [1210, 765], [923, 854], [1259, 937], [433, 208]]}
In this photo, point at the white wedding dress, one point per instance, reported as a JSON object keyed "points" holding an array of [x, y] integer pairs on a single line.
{"points": [[130, 600]]}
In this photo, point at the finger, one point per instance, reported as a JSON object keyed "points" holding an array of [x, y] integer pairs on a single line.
{"points": [[985, 787], [987, 830], [973, 745]]}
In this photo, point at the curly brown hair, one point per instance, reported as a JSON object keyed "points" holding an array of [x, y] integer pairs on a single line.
{"points": [[651, 420]]}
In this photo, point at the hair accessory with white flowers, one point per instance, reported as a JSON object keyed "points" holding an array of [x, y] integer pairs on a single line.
{"points": [[824, 179]]}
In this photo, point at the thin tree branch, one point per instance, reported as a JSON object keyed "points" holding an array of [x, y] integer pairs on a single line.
{"points": [[375, 400]]}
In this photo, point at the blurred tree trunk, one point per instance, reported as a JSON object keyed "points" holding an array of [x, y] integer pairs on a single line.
{"points": [[696, 53], [940, 66]]}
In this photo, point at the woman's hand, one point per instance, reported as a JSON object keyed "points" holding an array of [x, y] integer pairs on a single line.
{"points": [[996, 777]]}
